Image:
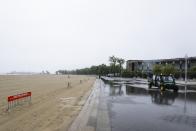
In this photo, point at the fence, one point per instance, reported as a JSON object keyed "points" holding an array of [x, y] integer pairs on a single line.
{"points": [[17, 99]]}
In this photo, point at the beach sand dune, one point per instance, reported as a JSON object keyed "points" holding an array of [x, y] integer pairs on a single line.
{"points": [[54, 105]]}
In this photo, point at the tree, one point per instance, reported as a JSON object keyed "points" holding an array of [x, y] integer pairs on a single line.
{"points": [[164, 69], [94, 70], [121, 62], [126, 73], [193, 69], [113, 61], [157, 69], [115, 67], [192, 72], [169, 69], [47, 72], [103, 69]]}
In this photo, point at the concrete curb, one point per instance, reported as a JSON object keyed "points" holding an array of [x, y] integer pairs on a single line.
{"points": [[94, 115]]}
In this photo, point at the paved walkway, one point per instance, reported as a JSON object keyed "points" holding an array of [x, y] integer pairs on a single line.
{"points": [[142, 80], [94, 115]]}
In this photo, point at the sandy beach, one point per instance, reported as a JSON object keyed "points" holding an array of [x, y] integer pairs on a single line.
{"points": [[54, 105]]}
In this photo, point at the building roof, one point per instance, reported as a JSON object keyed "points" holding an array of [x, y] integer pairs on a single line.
{"points": [[172, 59]]}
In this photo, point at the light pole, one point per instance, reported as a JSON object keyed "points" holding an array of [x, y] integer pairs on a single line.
{"points": [[186, 57]]}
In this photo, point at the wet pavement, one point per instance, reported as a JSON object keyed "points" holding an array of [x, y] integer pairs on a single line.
{"points": [[133, 107]]}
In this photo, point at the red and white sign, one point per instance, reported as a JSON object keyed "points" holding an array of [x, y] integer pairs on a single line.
{"points": [[18, 96], [17, 99]]}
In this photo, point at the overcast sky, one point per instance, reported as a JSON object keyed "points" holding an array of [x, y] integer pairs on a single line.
{"points": [[38, 35]]}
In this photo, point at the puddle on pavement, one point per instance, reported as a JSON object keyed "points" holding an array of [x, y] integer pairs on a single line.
{"points": [[137, 108]]}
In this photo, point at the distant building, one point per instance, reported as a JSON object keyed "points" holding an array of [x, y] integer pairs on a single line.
{"points": [[147, 65]]}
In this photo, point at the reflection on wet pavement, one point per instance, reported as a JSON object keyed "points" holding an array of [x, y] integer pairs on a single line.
{"points": [[165, 98], [133, 108]]}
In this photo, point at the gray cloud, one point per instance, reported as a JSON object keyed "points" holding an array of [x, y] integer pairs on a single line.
{"points": [[46, 34]]}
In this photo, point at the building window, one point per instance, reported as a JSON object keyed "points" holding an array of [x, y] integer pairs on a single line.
{"points": [[133, 67]]}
